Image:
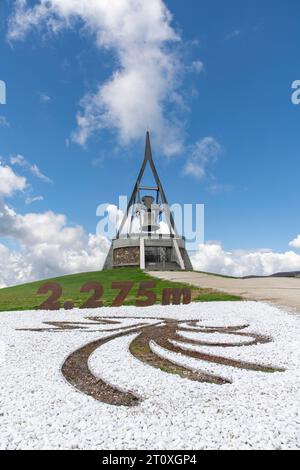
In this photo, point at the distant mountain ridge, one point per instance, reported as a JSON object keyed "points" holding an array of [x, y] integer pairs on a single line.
{"points": [[295, 274], [289, 274]]}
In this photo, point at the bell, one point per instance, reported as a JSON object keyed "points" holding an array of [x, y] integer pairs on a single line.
{"points": [[148, 201], [150, 215]]}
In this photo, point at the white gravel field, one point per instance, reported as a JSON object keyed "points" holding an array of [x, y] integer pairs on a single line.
{"points": [[39, 409]]}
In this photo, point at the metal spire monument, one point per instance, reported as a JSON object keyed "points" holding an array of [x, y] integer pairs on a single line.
{"points": [[138, 241]]}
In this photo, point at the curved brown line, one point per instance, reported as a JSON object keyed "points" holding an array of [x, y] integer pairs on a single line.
{"points": [[194, 342], [140, 349], [103, 320], [66, 326], [258, 339], [212, 329], [164, 343], [76, 371]]}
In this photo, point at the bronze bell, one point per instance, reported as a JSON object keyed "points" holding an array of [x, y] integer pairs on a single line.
{"points": [[151, 212]]}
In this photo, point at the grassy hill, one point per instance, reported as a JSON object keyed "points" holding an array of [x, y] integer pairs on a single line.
{"points": [[24, 297]]}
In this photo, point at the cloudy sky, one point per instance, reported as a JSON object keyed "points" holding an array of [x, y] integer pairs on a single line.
{"points": [[210, 79]]}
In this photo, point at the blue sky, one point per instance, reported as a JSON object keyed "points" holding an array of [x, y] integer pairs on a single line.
{"points": [[235, 63]]}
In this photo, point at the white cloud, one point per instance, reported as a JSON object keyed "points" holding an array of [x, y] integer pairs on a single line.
{"points": [[147, 73], [203, 153], [19, 160], [44, 260], [37, 172], [213, 258], [4, 122], [46, 244], [295, 243], [48, 247], [10, 182], [197, 66], [29, 200], [98, 162], [218, 188], [14, 268], [44, 98], [233, 34]]}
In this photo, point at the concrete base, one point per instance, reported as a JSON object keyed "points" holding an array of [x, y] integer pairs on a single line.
{"points": [[156, 252]]}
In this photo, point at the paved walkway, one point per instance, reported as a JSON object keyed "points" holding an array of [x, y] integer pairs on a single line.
{"points": [[283, 292]]}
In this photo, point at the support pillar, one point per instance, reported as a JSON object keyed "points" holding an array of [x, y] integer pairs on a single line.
{"points": [[178, 254], [142, 253]]}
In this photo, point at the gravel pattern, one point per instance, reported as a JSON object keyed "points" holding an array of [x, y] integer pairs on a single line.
{"points": [[40, 410]]}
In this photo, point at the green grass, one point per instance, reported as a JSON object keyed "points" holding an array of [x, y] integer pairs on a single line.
{"points": [[213, 296], [25, 297]]}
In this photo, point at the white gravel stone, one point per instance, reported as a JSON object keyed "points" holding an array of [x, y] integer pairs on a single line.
{"points": [[40, 410]]}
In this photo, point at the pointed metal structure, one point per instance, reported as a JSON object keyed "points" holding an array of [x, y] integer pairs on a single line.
{"points": [[147, 249], [136, 194]]}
